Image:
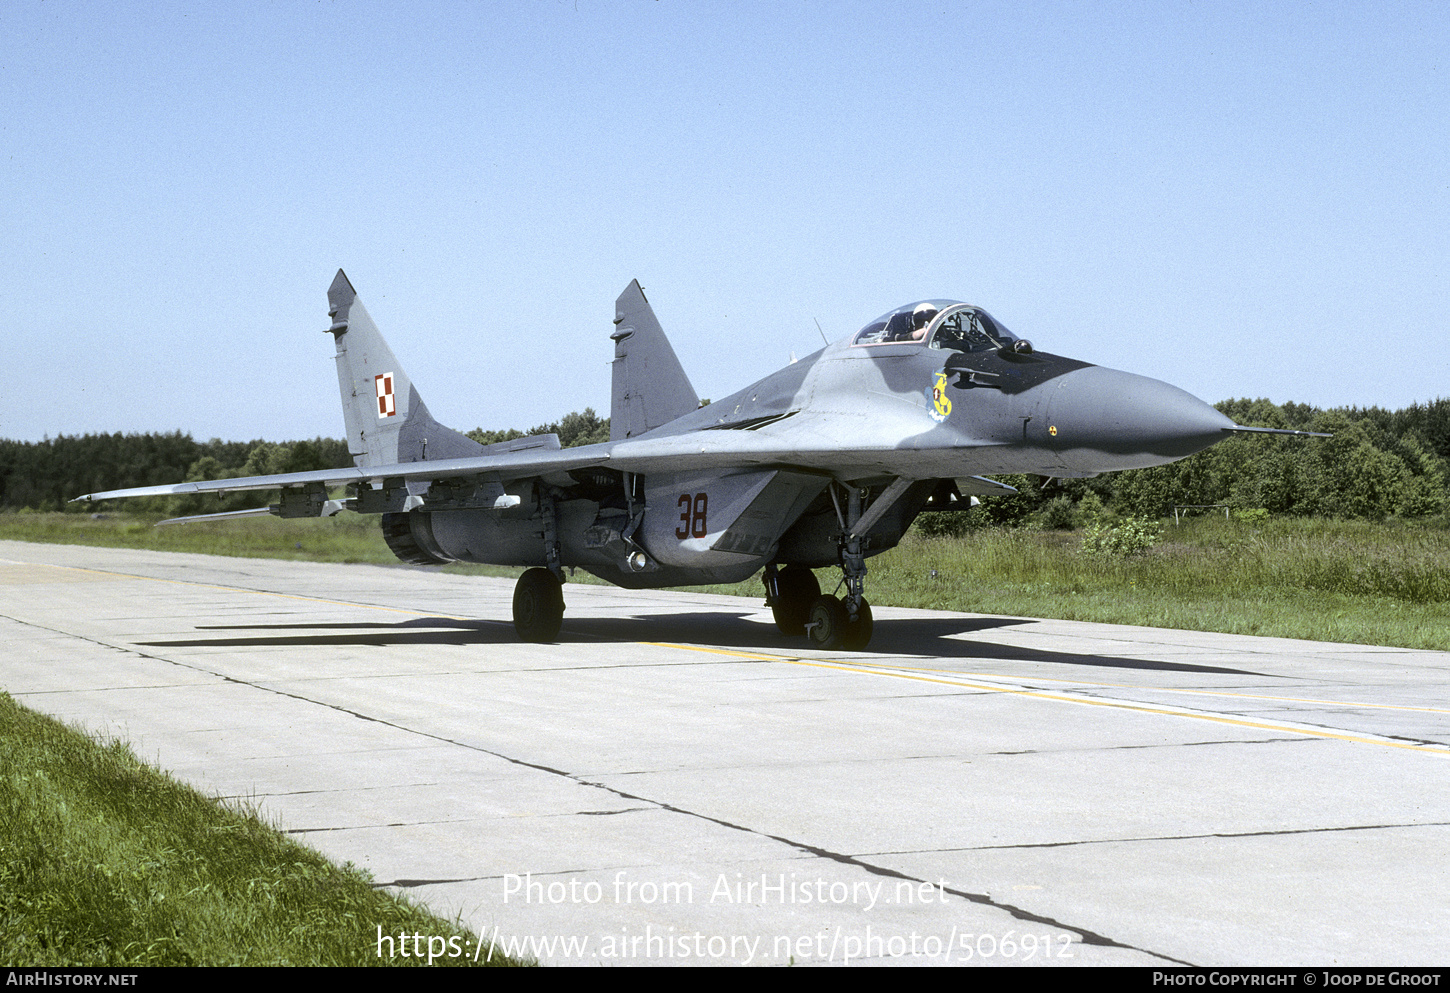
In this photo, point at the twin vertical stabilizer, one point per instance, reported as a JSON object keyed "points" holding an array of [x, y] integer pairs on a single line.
{"points": [[387, 422], [650, 387]]}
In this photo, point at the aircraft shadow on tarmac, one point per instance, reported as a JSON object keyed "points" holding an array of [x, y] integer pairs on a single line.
{"points": [[925, 637]]}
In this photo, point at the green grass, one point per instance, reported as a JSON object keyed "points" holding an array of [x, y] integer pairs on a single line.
{"points": [[344, 538], [1321, 580], [1353, 581], [106, 861]]}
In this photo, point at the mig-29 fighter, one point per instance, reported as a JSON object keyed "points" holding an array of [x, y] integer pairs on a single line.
{"points": [[820, 465]]}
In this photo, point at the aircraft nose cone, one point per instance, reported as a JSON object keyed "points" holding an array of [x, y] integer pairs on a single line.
{"points": [[1107, 420]]}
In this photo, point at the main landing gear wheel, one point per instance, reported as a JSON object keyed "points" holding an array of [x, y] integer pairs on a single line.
{"points": [[538, 606], [796, 590], [830, 625]]}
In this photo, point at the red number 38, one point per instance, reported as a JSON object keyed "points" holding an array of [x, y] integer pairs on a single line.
{"points": [[692, 516]]}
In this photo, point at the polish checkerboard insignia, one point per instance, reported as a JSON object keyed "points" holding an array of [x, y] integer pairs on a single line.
{"points": [[387, 405]]}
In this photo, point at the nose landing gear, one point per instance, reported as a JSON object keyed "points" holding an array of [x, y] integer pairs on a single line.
{"points": [[795, 597], [831, 625]]}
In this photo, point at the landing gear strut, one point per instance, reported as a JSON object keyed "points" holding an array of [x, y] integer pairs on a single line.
{"points": [[539, 595], [847, 623], [840, 624]]}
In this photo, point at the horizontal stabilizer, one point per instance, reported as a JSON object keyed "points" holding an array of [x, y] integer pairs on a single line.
{"points": [[533, 442], [230, 515], [982, 486], [329, 508]]}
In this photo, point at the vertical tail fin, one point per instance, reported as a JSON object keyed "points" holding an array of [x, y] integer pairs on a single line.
{"points": [[387, 421], [650, 386]]}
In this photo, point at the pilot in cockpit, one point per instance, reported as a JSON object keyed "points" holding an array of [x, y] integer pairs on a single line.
{"points": [[920, 318]]}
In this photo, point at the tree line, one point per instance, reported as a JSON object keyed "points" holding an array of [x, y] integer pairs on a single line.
{"points": [[1378, 464], [45, 475]]}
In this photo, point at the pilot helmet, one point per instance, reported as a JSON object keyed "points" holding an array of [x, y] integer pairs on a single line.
{"points": [[922, 315]]}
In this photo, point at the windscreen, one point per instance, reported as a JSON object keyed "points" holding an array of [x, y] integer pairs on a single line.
{"points": [[969, 329]]}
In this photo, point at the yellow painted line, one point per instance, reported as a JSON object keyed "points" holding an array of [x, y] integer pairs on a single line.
{"points": [[869, 666], [1175, 689], [1142, 708], [1327, 703], [1138, 707], [31, 574], [719, 651]]}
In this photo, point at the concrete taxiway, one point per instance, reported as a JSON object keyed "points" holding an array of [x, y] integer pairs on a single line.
{"points": [[675, 782]]}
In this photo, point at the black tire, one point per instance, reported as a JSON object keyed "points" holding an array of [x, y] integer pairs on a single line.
{"points": [[797, 589], [538, 606], [858, 632], [827, 624]]}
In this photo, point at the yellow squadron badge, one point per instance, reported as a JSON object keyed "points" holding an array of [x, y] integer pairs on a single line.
{"points": [[936, 394]]}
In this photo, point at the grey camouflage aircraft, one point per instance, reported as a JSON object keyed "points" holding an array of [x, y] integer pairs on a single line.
{"points": [[821, 464]]}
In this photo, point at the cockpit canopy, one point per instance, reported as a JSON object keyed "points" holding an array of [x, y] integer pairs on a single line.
{"points": [[937, 324]]}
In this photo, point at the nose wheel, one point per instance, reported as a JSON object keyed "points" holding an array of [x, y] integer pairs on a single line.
{"points": [[794, 597], [831, 625]]}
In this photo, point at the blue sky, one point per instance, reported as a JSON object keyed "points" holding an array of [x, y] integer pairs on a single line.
{"points": [[1241, 199]]}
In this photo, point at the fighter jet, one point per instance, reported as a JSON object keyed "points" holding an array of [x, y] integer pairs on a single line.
{"points": [[820, 465]]}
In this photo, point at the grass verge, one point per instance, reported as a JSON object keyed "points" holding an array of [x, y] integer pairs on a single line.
{"points": [[1320, 580], [106, 861], [344, 538]]}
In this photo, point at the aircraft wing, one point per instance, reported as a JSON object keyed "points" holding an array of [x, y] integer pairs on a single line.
{"points": [[505, 467], [806, 447], [645, 456]]}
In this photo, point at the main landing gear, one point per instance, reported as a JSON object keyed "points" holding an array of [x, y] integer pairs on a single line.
{"points": [[538, 606], [539, 595], [795, 596], [790, 595]]}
